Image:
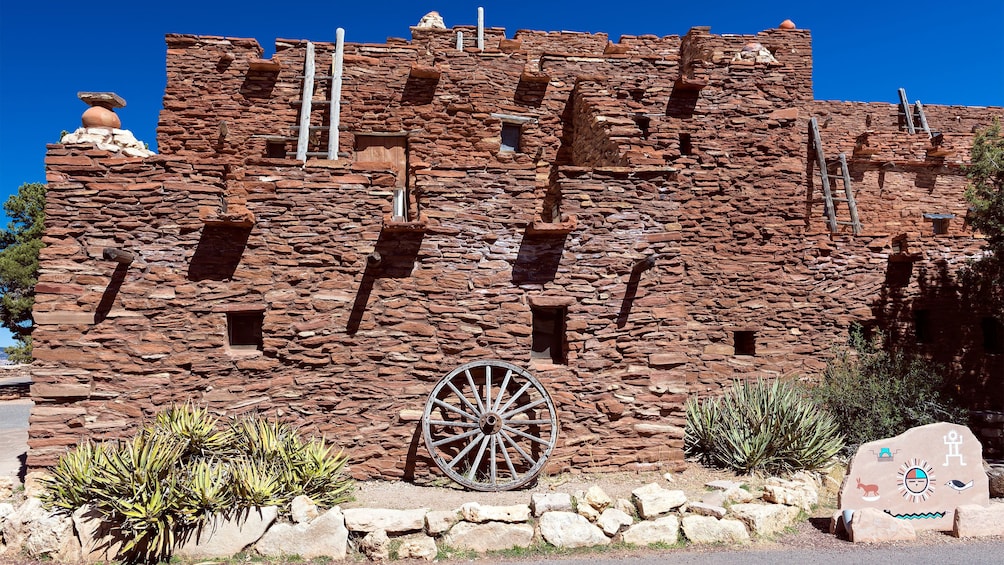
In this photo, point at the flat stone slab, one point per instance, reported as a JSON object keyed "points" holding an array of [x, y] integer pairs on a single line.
{"points": [[106, 99], [870, 525], [493, 536], [569, 530], [921, 476], [386, 519], [973, 520], [224, 536]]}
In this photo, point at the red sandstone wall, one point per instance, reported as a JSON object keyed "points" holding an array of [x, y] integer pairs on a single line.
{"points": [[738, 240]]}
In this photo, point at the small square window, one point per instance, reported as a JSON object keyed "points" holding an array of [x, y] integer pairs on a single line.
{"points": [[922, 326], [510, 137], [686, 148], [548, 341], [939, 222], [275, 149], [244, 330], [745, 342], [993, 335]]}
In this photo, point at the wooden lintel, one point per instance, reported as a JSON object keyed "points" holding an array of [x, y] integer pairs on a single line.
{"points": [[117, 255], [267, 65], [425, 72]]}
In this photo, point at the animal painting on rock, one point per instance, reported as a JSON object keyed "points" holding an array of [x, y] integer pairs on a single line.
{"points": [[922, 475]]}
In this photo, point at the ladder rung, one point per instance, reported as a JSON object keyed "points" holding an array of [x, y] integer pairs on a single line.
{"points": [[310, 153], [313, 102], [845, 223], [321, 77], [312, 128], [840, 200]]}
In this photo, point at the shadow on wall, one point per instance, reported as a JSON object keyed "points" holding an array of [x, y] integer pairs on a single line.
{"points": [[954, 320], [538, 259], [218, 253], [393, 257]]}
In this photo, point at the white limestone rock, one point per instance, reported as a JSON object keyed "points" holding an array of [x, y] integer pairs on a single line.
{"points": [[491, 536], [432, 20], [587, 511], [705, 509], [375, 546], [389, 520], [541, 502], [612, 520], [223, 535], [417, 546], [598, 499], [108, 139], [440, 521], [302, 509], [98, 543], [663, 530], [569, 530], [802, 494], [474, 512], [765, 519], [324, 536], [653, 500], [709, 530]]}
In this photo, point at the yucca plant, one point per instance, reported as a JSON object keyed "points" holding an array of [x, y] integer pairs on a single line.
{"points": [[174, 474], [70, 485], [196, 426], [761, 426]]}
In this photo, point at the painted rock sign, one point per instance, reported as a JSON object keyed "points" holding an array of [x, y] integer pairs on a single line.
{"points": [[921, 475]]}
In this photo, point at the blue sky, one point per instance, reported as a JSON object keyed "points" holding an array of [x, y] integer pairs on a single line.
{"points": [[941, 52]]}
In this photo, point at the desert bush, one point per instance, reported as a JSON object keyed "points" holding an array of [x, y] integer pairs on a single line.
{"points": [[174, 474], [773, 427], [875, 394]]}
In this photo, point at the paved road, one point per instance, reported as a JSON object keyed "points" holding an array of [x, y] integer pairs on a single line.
{"points": [[969, 553], [13, 436]]}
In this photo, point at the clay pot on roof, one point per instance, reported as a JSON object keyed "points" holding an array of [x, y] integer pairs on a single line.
{"points": [[787, 24], [100, 117]]}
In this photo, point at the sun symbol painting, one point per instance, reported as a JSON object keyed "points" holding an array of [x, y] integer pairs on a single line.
{"points": [[915, 480]]}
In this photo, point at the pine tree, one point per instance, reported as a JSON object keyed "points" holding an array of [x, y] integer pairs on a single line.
{"points": [[985, 192], [19, 247]]}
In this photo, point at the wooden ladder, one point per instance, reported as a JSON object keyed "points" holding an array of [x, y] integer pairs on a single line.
{"points": [[828, 199], [307, 103], [913, 114]]}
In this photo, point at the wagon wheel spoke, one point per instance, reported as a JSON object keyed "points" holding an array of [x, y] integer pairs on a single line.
{"points": [[463, 399], [454, 409], [518, 449], [490, 426]]}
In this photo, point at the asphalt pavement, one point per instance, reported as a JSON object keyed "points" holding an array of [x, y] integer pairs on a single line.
{"points": [[14, 436]]}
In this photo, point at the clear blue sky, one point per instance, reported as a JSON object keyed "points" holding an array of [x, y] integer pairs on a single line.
{"points": [[942, 52]]}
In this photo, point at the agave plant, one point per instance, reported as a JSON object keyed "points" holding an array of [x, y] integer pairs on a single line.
{"points": [[70, 485], [761, 426], [195, 425], [174, 474]]}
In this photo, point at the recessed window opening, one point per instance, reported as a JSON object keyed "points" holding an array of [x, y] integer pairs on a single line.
{"points": [[548, 339], [745, 342], [922, 326], [643, 123], [686, 148], [939, 222], [510, 137], [244, 330], [275, 149], [993, 335]]}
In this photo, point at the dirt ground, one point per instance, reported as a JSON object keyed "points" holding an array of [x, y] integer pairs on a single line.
{"points": [[443, 494]]}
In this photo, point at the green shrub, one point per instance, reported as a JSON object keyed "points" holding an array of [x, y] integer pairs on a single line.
{"points": [[173, 475], [761, 426], [875, 394]]}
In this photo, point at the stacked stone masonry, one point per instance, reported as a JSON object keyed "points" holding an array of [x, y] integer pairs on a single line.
{"points": [[667, 149]]}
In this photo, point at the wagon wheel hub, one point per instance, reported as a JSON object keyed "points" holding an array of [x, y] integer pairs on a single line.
{"points": [[490, 426], [490, 423]]}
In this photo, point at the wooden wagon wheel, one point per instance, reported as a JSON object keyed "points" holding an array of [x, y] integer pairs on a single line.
{"points": [[490, 425]]}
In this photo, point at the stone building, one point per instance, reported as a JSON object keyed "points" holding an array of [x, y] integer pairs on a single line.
{"points": [[633, 222]]}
